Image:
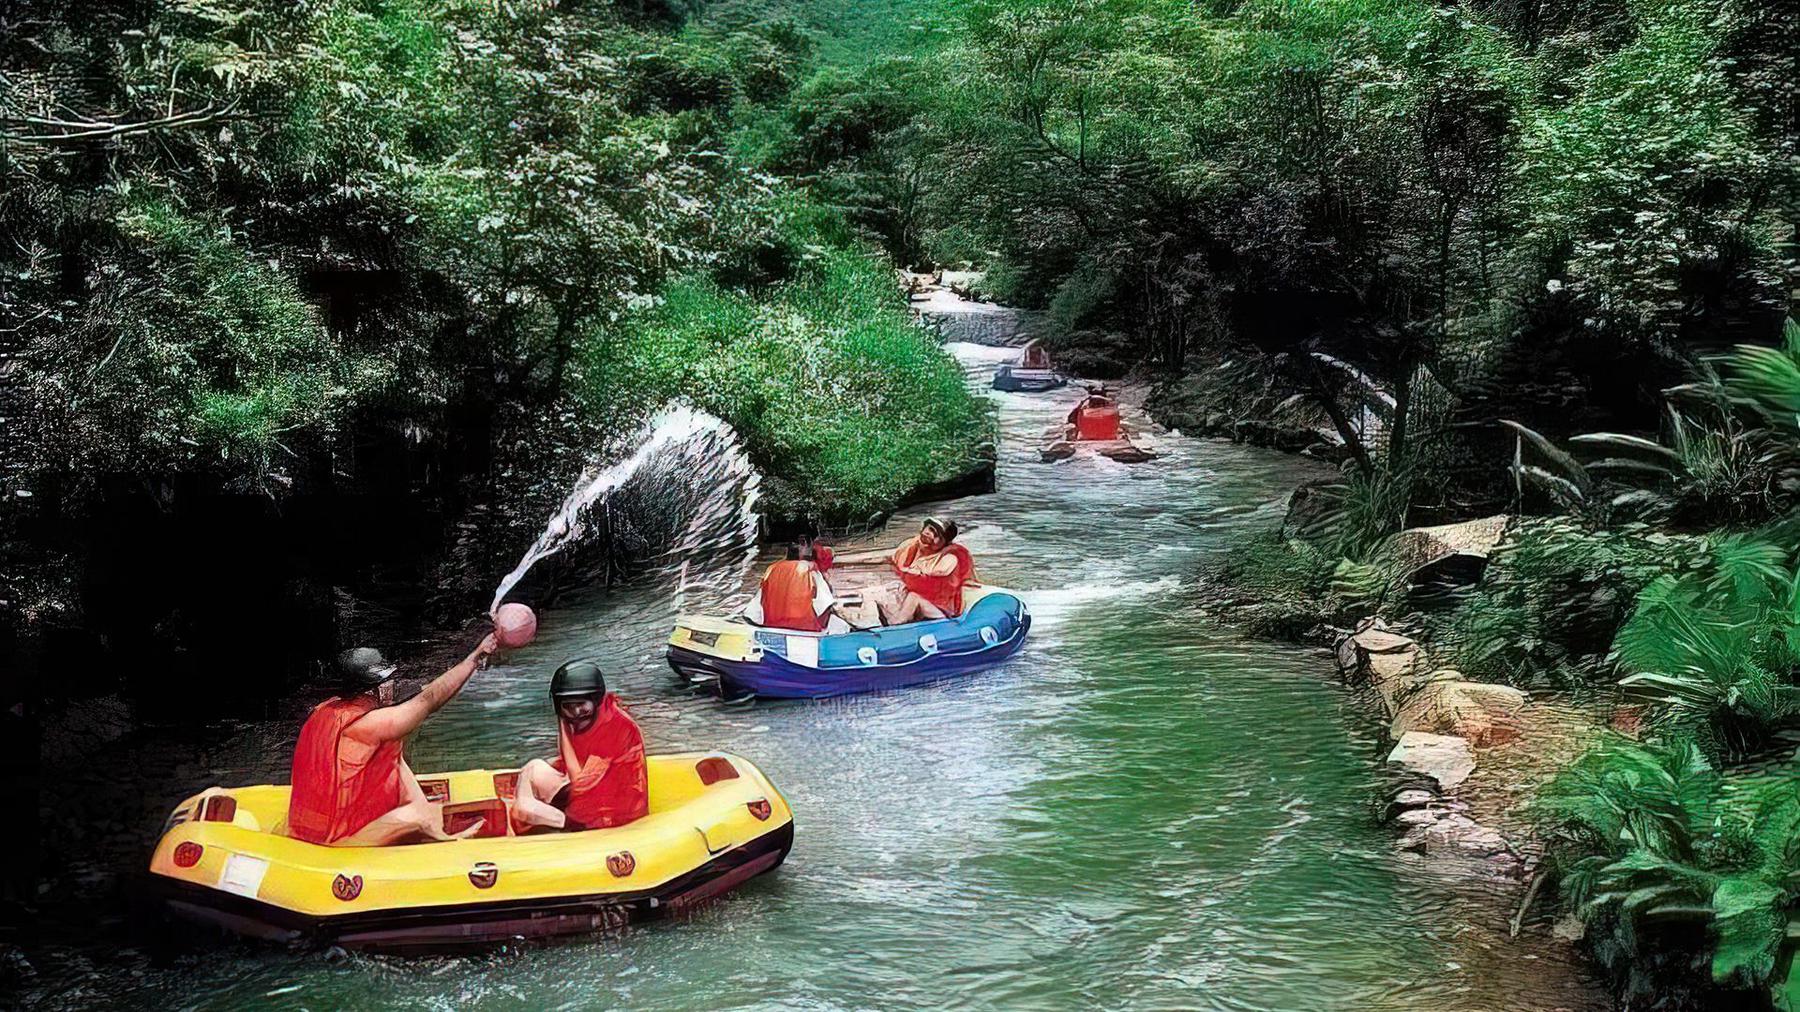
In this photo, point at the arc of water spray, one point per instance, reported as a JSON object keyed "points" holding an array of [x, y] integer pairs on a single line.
{"points": [[707, 439]]}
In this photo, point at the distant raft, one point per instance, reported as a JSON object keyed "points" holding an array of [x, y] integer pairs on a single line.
{"points": [[715, 822], [1029, 373], [790, 664], [1017, 379], [1095, 430]]}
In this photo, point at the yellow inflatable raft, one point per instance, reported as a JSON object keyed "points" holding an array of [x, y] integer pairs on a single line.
{"points": [[715, 822]]}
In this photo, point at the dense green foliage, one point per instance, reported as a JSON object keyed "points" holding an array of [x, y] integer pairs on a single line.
{"points": [[1527, 256], [1501, 245], [1437, 215], [1553, 597], [814, 374], [1661, 854], [242, 226]]}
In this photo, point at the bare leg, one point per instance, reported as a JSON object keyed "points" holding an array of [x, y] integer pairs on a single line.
{"points": [[889, 603], [410, 790], [914, 608], [409, 819], [538, 783]]}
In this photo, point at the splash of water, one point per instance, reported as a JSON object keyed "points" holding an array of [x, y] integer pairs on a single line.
{"points": [[686, 493]]}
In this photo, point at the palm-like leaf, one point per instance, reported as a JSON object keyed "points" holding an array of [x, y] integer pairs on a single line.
{"points": [[1572, 471], [1769, 378], [1627, 443], [1748, 925], [1748, 573]]}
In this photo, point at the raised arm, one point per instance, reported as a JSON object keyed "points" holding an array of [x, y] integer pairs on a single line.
{"points": [[391, 723], [941, 564], [873, 556]]}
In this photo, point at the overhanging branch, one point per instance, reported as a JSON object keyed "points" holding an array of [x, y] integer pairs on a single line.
{"points": [[83, 131]]}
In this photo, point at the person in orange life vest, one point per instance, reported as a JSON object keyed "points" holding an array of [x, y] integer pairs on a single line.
{"points": [[796, 594], [1034, 357], [598, 778], [1096, 426], [933, 570], [351, 784], [1096, 398]]}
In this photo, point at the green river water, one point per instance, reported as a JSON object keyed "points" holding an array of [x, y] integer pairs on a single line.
{"points": [[1141, 810]]}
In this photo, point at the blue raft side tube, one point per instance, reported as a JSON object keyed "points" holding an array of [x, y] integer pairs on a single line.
{"points": [[993, 629]]}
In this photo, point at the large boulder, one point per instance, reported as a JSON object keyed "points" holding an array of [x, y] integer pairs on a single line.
{"points": [[1376, 656], [1396, 675], [1443, 831], [1449, 553], [1372, 638], [1445, 704], [1444, 758]]}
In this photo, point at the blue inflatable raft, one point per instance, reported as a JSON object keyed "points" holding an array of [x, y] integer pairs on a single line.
{"points": [[787, 664], [1018, 379]]}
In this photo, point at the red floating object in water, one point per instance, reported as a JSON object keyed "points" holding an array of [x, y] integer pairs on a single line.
{"points": [[515, 625]]}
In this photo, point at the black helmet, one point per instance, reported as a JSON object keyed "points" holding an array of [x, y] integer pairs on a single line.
{"points": [[578, 678], [363, 668]]}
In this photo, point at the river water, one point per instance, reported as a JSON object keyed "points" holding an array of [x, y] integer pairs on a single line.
{"points": [[1143, 809]]}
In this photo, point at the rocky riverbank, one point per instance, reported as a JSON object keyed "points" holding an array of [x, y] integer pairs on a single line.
{"points": [[1243, 396], [1466, 756], [1469, 752]]}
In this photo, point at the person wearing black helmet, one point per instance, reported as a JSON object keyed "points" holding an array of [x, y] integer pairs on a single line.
{"points": [[598, 778], [351, 784]]}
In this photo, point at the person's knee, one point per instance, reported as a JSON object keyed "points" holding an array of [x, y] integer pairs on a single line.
{"points": [[540, 778]]}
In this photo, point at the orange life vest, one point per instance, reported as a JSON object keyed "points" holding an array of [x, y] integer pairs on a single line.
{"points": [[1100, 422], [943, 591], [621, 793], [340, 784], [787, 597]]}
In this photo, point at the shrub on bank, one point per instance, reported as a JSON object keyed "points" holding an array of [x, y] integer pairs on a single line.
{"points": [[827, 379], [192, 352], [1553, 596], [1686, 877]]}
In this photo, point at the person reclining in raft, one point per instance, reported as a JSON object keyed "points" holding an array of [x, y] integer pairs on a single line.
{"points": [[598, 778], [932, 570], [796, 594], [351, 784]]}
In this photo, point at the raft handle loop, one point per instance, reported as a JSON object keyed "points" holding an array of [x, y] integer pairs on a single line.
{"points": [[928, 643], [867, 655], [989, 636]]}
